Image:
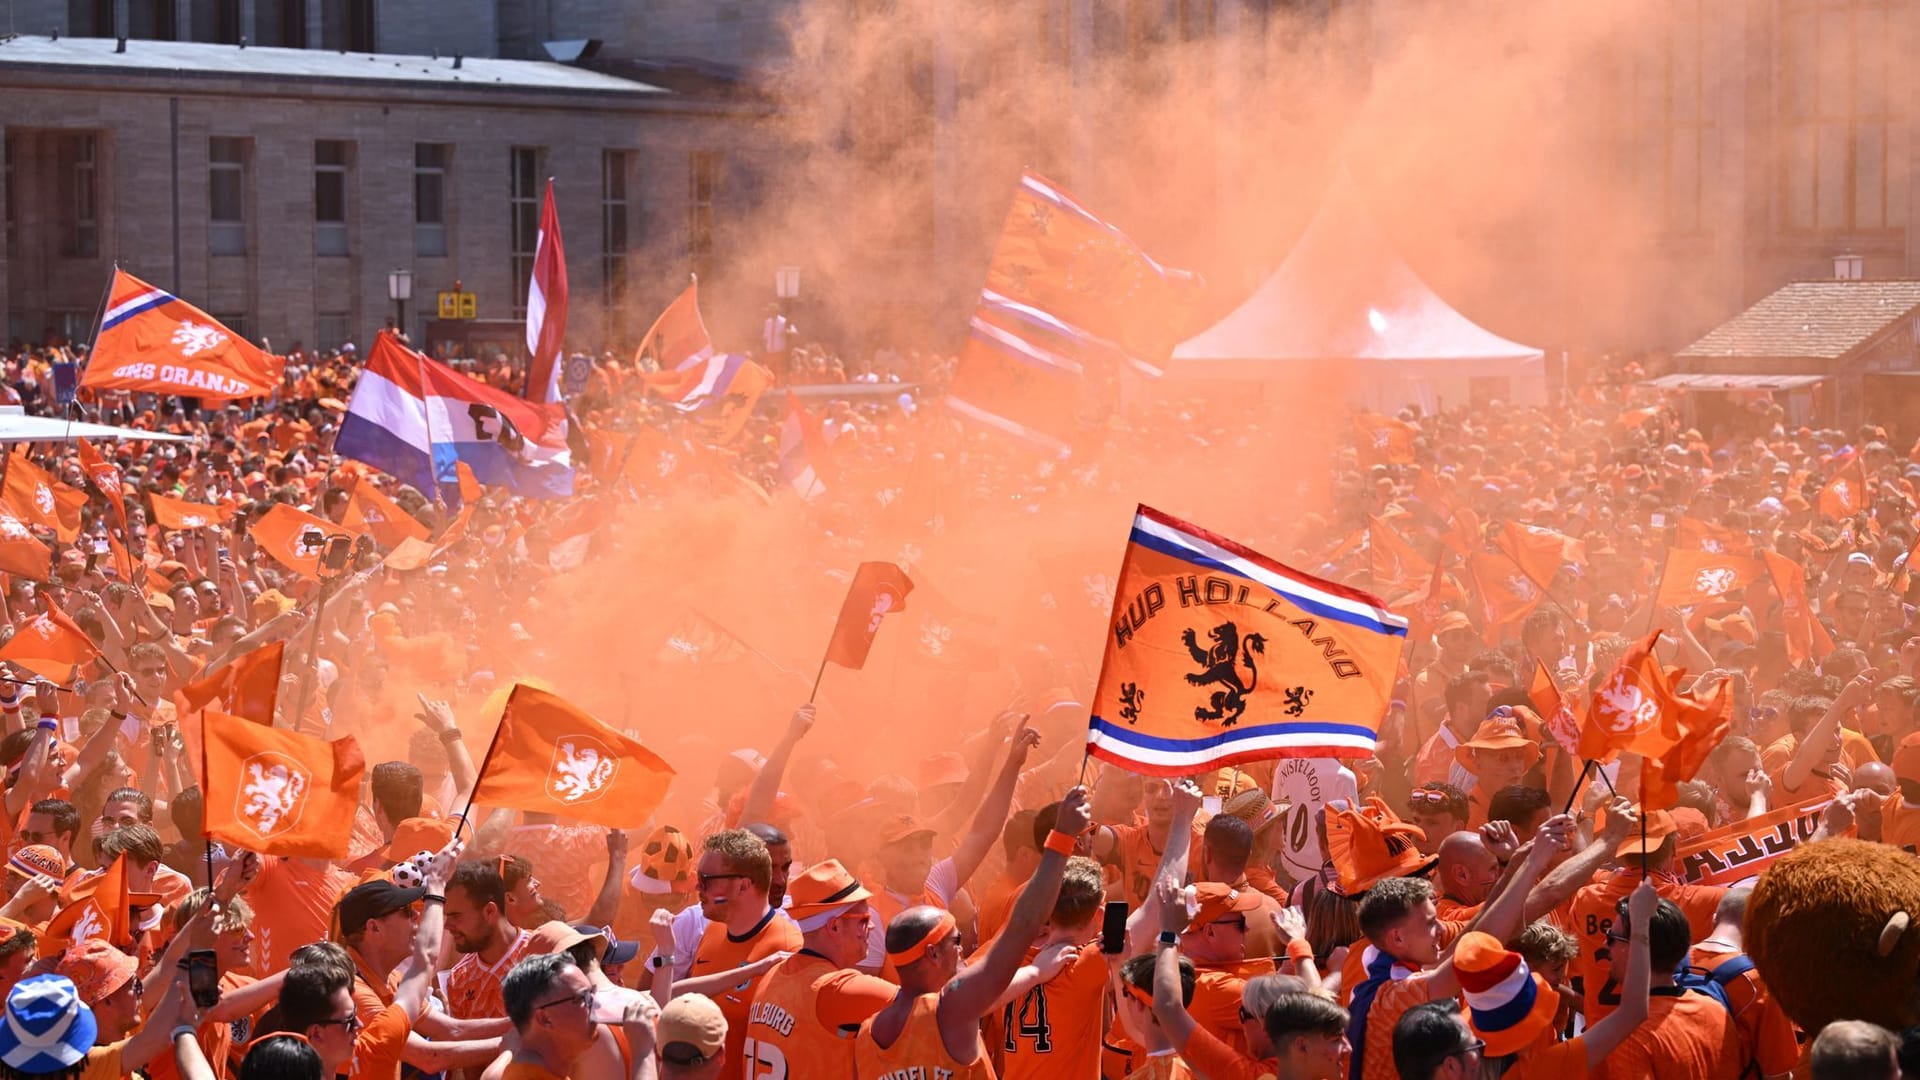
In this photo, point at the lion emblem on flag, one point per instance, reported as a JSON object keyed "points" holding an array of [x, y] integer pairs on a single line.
{"points": [[1219, 665], [1624, 707], [194, 339], [192, 521], [1714, 581], [12, 528], [90, 926], [43, 498], [583, 768], [1520, 587], [273, 794]]}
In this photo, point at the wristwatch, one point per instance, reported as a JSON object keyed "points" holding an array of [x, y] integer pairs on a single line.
{"points": [[1168, 937], [660, 961]]}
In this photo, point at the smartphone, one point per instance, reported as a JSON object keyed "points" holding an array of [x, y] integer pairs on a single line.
{"points": [[1659, 521], [203, 977], [1113, 928], [339, 549]]}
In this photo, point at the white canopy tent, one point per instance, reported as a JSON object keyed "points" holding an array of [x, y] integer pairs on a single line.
{"points": [[17, 426], [1344, 297]]}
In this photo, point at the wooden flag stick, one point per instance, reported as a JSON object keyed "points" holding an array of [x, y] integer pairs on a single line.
{"points": [[1586, 766]]}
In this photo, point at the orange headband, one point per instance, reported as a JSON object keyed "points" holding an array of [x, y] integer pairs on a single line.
{"points": [[1142, 996], [940, 932]]}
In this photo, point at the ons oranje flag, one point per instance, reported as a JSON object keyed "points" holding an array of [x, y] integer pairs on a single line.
{"points": [[1846, 493], [248, 686], [278, 792], [152, 342], [98, 908], [370, 510], [180, 515], [50, 645], [1383, 439], [877, 590], [295, 538], [1807, 638], [551, 758], [1217, 654], [1702, 577], [22, 553], [41, 500], [105, 477]]}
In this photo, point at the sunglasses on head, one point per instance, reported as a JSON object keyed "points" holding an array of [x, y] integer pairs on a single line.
{"points": [[1428, 798]]}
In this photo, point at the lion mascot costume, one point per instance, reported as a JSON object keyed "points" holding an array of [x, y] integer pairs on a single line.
{"points": [[1834, 928]]}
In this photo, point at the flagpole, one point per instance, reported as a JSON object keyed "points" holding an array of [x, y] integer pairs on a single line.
{"points": [[1586, 766], [1653, 601], [204, 834], [818, 675], [481, 773], [1544, 591]]}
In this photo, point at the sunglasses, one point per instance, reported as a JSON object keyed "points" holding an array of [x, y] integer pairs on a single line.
{"points": [[1473, 1047], [349, 1023], [702, 881], [1429, 798], [584, 999], [1615, 939]]}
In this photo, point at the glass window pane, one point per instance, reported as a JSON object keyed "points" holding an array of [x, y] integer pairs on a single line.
{"points": [[329, 152], [226, 151], [330, 196], [429, 202], [430, 155], [224, 192]]}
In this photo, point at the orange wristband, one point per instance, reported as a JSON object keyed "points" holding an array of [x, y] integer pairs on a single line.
{"points": [[1063, 843], [1298, 950]]}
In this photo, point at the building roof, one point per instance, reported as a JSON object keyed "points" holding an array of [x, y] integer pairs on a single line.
{"points": [[191, 58], [1816, 320]]}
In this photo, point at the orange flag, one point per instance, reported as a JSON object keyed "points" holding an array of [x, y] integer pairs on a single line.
{"points": [[1396, 568], [179, 514], [1638, 711], [1384, 439], [470, 489], [105, 477], [369, 510], [278, 792], [153, 342], [1701, 577], [877, 588], [129, 570], [1807, 639], [1539, 552], [551, 758], [247, 686], [22, 553], [1506, 594], [295, 538], [677, 336], [1846, 493], [455, 530], [1699, 725], [50, 645], [98, 908], [41, 500], [1544, 693]]}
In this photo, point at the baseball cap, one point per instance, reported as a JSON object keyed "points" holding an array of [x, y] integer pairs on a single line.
{"points": [[96, 969], [372, 900], [900, 828], [1213, 902], [48, 1027], [691, 1030], [1906, 758], [1660, 825], [617, 952], [942, 768]]}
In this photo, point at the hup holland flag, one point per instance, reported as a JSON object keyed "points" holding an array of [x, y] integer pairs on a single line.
{"points": [[546, 306], [1217, 654], [418, 420]]}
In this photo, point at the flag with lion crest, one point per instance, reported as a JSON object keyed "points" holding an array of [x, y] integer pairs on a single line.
{"points": [[1217, 654]]}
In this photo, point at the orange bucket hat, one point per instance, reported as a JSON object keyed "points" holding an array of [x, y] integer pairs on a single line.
{"points": [[1497, 733], [1372, 843]]}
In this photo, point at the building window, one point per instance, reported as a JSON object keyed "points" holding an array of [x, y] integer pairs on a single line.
{"points": [[10, 148], [151, 20], [235, 321], [226, 195], [83, 242], [332, 330], [347, 24], [1666, 130], [330, 197], [615, 241], [703, 193], [430, 162], [280, 22], [1836, 106], [523, 204], [90, 18]]}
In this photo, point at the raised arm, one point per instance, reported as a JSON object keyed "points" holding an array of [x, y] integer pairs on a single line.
{"points": [[991, 818], [1171, 909], [1502, 915], [1814, 744], [766, 785], [438, 718], [1558, 887], [973, 991], [607, 904], [1172, 870], [416, 972]]}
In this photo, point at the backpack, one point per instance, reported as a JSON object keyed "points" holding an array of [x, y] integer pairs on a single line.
{"points": [[1713, 983]]}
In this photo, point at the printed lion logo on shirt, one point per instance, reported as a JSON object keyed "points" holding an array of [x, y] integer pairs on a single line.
{"points": [[274, 794], [583, 769]]}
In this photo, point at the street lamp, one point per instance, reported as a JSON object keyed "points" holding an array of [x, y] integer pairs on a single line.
{"points": [[400, 290], [786, 287]]}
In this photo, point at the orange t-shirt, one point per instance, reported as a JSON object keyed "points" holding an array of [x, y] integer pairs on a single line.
{"points": [[1218, 1061], [1134, 855], [1686, 1036], [1055, 1029], [1594, 909], [1560, 1061], [1766, 1035], [215, 1039], [996, 905], [720, 951], [805, 1015], [569, 860], [1216, 997], [377, 1049], [918, 1051], [473, 987], [1900, 823], [1390, 1003], [292, 904]]}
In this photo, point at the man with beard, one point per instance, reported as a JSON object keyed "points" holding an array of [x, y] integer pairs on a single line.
{"points": [[488, 943]]}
